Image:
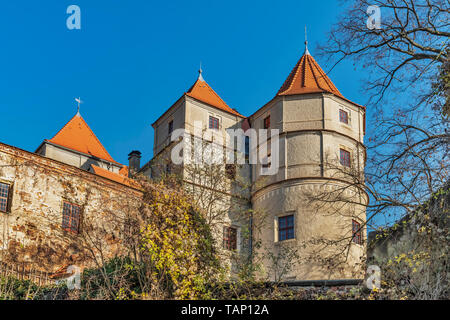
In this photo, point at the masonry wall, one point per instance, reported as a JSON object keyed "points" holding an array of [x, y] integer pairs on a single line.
{"points": [[31, 231], [311, 137], [177, 114], [321, 234]]}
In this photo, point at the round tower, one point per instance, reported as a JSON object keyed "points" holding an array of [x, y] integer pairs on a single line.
{"points": [[309, 217]]}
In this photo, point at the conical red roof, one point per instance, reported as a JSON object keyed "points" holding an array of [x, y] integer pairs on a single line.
{"points": [[203, 92], [76, 135], [307, 77]]}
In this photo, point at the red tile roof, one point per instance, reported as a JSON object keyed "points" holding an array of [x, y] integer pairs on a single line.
{"points": [[124, 171], [203, 92], [117, 177], [76, 135], [307, 77]]}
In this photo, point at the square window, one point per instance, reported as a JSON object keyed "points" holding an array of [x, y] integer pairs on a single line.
{"points": [[286, 228], [345, 157], [71, 217], [4, 196], [213, 122], [229, 238], [356, 232], [343, 116], [267, 122]]}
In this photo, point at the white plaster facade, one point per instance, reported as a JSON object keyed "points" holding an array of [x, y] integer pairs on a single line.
{"points": [[311, 136]]}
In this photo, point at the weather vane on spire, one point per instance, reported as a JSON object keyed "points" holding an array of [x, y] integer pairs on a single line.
{"points": [[306, 41], [79, 102], [200, 77]]}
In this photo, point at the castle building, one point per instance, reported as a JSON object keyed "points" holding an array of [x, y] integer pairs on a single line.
{"points": [[304, 221], [321, 152]]}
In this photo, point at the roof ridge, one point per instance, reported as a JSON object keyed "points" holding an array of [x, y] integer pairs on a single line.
{"points": [[307, 77], [304, 71], [67, 123], [325, 76], [311, 66], [215, 93], [95, 137], [203, 92]]}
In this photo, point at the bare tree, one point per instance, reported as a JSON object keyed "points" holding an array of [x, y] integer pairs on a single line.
{"points": [[402, 58]]}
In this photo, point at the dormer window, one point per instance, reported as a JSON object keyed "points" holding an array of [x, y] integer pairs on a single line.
{"points": [[343, 116], [213, 123]]}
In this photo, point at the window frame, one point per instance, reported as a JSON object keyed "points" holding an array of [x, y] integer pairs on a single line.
{"points": [[356, 232], [7, 197], [229, 243], [347, 118], [343, 160], [266, 122], [67, 225], [170, 127], [285, 230], [212, 121]]}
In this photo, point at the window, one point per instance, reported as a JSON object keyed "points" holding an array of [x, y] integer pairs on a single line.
{"points": [[356, 232], [229, 238], [71, 217], [247, 149], [230, 171], [343, 116], [213, 122], [286, 228], [170, 127], [345, 158], [4, 197], [267, 122]]}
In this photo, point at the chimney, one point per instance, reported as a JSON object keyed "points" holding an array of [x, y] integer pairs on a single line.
{"points": [[134, 160]]}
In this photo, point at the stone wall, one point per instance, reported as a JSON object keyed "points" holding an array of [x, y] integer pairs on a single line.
{"points": [[31, 229], [403, 236]]}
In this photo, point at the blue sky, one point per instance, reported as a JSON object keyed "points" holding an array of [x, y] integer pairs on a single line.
{"points": [[132, 60]]}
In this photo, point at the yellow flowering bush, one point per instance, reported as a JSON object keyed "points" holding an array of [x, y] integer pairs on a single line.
{"points": [[177, 241]]}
